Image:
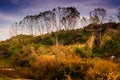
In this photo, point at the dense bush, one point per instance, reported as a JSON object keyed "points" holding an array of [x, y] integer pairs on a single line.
{"points": [[4, 48], [111, 47], [83, 52], [33, 64], [47, 68], [48, 41]]}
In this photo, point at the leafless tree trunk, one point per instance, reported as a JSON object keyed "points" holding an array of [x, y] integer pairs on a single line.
{"points": [[118, 15], [101, 14]]}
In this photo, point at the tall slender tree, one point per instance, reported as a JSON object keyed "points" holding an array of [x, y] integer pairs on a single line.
{"points": [[84, 22], [118, 14], [100, 13]]}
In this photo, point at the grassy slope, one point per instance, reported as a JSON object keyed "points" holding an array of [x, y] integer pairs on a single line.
{"points": [[24, 53], [110, 39]]}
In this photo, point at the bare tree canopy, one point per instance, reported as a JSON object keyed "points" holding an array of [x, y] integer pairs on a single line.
{"points": [[45, 22], [100, 14]]}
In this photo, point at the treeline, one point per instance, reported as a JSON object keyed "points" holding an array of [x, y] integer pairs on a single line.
{"points": [[61, 18], [58, 19]]}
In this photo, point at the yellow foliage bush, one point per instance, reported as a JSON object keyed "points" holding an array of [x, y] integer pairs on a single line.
{"points": [[64, 64], [102, 70]]}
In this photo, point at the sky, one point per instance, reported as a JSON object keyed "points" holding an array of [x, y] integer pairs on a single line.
{"points": [[12, 11]]}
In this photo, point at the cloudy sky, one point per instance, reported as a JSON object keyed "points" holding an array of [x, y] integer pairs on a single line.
{"points": [[12, 11]]}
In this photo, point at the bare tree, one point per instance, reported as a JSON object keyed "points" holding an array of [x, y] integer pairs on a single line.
{"points": [[57, 18], [94, 20], [48, 21], [100, 13], [74, 16], [84, 21], [118, 15], [70, 18], [48, 18], [28, 22], [14, 29], [40, 25], [111, 19], [21, 27]]}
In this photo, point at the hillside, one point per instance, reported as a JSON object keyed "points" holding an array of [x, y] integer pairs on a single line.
{"points": [[110, 33], [65, 52]]}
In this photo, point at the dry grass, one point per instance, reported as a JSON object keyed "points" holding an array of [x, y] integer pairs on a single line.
{"points": [[103, 70], [63, 63]]}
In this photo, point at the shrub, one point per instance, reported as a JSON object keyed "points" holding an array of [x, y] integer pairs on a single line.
{"points": [[46, 67], [111, 47], [59, 62], [83, 52], [48, 41], [4, 48], [102, 70]]}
